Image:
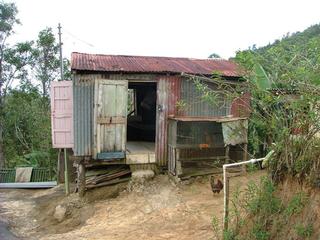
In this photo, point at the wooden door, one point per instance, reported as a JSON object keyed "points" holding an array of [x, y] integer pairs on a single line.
{"points": [[62, 114], [110, 118]]}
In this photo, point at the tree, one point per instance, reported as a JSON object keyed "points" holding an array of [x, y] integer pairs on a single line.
{"points": [[46, 54], [17, 62], [8, 13], [27, 133], [214, 55]]}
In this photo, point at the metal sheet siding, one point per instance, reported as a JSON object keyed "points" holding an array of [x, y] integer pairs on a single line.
{"points": [[195, 106], [83, 98], [240, 107], [168, 93]]}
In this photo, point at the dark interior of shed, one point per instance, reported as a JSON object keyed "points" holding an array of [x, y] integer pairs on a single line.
{"points": [[141, 121]]}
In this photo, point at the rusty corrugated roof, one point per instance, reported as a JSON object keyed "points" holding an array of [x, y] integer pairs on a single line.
{"points": [[141, 64]]}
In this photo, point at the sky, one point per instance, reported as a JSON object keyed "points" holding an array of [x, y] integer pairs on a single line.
{"points": [[173, 28]]}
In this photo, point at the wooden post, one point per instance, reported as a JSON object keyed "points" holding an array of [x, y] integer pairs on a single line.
{"points": [[245, 157], [58, 167], [245, 152], [81, 181], [226, 199], [66, 173], [227, 153], [178, 163]]}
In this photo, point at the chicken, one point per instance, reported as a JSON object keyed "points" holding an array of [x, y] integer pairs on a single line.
{"points": [[216, 186]]}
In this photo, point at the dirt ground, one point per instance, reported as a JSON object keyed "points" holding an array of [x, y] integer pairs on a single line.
{"points": [[159, 209]]}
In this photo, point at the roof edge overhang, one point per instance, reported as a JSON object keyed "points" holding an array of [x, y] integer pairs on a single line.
{"points": [[81, 71]]}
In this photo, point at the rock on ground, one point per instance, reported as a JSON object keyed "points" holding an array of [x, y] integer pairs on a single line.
{"points": [[142, 175], [60, 213]]}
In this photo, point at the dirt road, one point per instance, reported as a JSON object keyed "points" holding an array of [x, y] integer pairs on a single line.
{"points": [[158, 210], [5, 234]]}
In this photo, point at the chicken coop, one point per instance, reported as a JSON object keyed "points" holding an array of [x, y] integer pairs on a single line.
{"points": [[199, 146], [146, 113]]}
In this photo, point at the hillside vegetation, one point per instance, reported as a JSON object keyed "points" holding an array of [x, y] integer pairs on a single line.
{"points": [[284, 79]]}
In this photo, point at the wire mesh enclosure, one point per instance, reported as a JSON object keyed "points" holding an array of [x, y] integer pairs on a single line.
{"points": [[197, 146]]}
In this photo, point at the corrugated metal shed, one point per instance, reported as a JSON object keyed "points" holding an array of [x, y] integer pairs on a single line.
{"points": [[170, 89], [142, 64]]}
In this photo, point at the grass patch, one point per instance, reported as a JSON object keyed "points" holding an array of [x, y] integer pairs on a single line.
{"points": [[258, 213]]}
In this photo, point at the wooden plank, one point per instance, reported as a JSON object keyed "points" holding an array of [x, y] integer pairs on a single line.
{"points": [[107, 177], [118, 137], [110, 155], [112, 182], [138, 147], [104, 120], [196, 146], [97, 172], [125, 109], [49, 184], [197, 159], [108, 134], [104, 162], [119, 119], [189, 174]]}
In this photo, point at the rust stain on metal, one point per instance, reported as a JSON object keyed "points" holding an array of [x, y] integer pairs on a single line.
{"points": [[207, 119], [139, 64], [168, 93], [240, 106]]}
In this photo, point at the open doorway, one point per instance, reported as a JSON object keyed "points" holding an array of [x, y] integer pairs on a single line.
{"points": [[141, 120]]}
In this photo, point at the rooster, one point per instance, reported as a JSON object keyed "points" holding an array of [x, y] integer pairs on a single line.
{"points": [[216, 186]]}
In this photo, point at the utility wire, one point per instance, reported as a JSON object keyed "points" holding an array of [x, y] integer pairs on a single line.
{"points": [[79, 39]]}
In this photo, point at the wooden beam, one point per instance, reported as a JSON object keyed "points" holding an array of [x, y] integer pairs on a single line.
{"points": [[81, 181], [110, 155], [227, 153], [111, 182]]}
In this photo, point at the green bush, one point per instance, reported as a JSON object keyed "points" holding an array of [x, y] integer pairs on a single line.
{"points": [[259, 213], [296, 204]]}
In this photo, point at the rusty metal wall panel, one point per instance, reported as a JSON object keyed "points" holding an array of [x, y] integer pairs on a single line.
{"points": [[140, 64], [195, 106], [61, 114], [240, 106], [168, 93], [83, 98]]}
